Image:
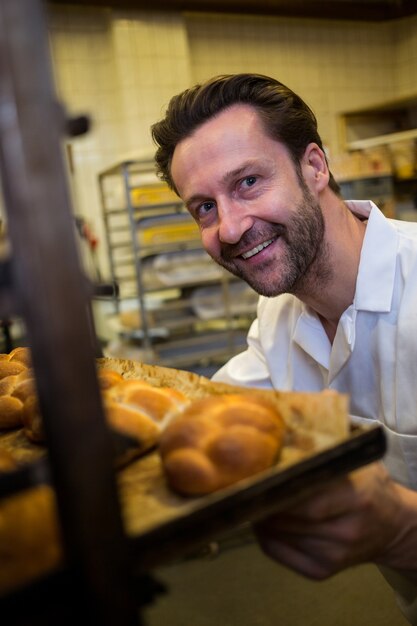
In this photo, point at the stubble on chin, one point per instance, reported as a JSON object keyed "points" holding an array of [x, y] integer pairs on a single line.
{"points": [[304, 265]]}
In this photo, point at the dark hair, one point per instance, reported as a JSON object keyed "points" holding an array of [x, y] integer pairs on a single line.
{"points": [[285, 116]]}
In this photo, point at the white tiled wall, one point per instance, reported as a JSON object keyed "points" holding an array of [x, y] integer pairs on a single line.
{"points": [[123, 67], [405, 47], [333, 65]]}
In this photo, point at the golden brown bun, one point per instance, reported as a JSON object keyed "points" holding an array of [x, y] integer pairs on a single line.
{"points": [[7, 461], [30, 543], [10, 368], [108, 378], [22, 355], [138, 409], [24, 388], [159, 403], [9, 384], [14, 369], [134, 423], [32, 420], [11, 412], [133, 408], [219, 440], [14, 390]]}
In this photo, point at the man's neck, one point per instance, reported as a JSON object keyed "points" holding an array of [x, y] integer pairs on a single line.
{"points": [[329, 293]]}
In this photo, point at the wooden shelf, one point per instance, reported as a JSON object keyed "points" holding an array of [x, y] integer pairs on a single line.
{"points": [[382, 140], [381, 124]]}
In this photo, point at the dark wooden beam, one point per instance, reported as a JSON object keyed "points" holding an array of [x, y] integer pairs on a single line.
{"points": [[362, 10]]}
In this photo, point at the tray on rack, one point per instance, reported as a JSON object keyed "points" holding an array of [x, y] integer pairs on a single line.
{"points": [[162, 526]]}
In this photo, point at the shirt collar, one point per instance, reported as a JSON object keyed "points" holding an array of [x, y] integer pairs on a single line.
{"points": [[375, 281]]}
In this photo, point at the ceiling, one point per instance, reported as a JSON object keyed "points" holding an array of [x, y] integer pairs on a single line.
{"points": [[362, 10]]}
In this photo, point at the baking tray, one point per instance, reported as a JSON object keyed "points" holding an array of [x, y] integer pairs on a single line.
{"points": [[186, 524], [162, 527]]}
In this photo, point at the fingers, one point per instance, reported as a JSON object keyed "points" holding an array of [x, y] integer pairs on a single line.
{"points": [[335, 527], [355, 491], [308, 557]]}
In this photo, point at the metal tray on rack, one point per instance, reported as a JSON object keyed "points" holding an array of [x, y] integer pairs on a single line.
{"points": [[163, 526]]}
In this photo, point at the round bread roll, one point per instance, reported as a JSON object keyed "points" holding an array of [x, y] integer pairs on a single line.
{"points": [[14, 390], [25, 386], [22, 355], [108, 378], [140, 410], [14, 369], [9, 383], [159, 403], [134, 408], [10, 368], [11, 412], [132, 422], [32, 420], [7, 461], [219, 440], [30, 540]]}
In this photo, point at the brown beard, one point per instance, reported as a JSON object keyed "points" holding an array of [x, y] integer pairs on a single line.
{"points": [[304, 264]]}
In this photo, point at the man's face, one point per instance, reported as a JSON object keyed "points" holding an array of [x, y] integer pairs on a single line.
{"points": [[257, 217]]}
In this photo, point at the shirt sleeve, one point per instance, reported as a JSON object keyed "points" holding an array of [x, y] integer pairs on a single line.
{"points": [[249, 368]]}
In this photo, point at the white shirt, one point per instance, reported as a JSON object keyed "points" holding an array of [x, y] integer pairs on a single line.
{"points": [[373, 357]]}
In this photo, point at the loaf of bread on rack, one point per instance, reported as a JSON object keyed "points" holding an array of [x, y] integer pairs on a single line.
{"points": [[219, 440], [133, 408], [141, 410], [30, 541], [16, 383]]}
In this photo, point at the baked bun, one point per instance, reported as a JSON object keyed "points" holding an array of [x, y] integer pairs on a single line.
{"points": [[133, 408], [16, 383], [8, 462], [32, 420], [220, 440], [132, 422], [140, 410], [108, 378], [21, 355], [159, 403], [10, 368]]}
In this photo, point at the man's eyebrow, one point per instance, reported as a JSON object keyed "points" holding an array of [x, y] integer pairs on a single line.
{"points": [[226, 178], [194, 199], [238, 171]]}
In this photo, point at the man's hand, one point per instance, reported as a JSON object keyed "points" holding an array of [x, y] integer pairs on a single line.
{"points": [[364, 516]]}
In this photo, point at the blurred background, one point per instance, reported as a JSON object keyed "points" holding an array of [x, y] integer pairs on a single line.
{"points": [[355, 63]]}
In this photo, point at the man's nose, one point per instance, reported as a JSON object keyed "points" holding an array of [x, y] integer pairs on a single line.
{"points": [[233, 222]]}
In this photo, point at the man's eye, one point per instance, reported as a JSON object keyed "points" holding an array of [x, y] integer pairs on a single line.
{"points": [[249, 181], [205, 207]]}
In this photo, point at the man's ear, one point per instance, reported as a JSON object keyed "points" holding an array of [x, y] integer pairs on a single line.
{"points": [[314, 167]]}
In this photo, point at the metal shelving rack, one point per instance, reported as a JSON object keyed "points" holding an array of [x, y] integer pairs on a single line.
{"points": [[180, 338]]}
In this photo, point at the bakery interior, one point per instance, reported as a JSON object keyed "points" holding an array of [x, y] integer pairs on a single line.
{"points": [[116, 269]]}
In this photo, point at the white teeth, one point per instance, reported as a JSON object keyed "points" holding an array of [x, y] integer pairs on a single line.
{"points": [[265, 244]]}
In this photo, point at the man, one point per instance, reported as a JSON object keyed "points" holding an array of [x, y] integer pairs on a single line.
{"points": [[338, 305]]}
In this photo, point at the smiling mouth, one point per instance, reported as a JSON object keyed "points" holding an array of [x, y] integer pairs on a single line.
{"points": [[262, 246]]}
